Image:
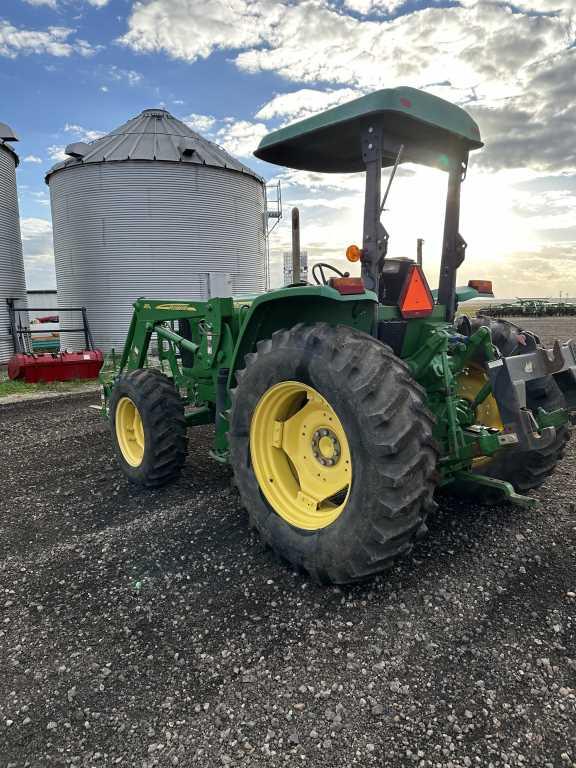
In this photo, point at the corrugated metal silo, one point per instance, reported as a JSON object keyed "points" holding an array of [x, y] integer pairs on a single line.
{"points": [[152, 209], [12, 280]]}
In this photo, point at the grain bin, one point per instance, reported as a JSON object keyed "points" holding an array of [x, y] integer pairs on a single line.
{"points": [[152, 209], [12, 280]]}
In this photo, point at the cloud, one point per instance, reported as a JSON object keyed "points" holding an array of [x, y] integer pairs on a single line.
{"points": [[40, 197], [186, 29], [366, 7], [239, 137], [129, 76], [49, 3], [482, 47], [57, 153], [83, 134], [54, 3], [54, 41], [502, 59], [32, 159], [543, 272], [201, 123], [38, 251], [297, 105]]}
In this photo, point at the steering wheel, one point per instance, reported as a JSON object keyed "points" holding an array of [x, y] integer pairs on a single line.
{"points": [[320, 267]]}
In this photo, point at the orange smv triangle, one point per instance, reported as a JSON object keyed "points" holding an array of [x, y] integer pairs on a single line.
{"points": [[416, 299]]}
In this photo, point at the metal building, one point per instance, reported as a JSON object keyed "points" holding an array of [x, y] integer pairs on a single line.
{"points": [[12, 280], [152, 209]]}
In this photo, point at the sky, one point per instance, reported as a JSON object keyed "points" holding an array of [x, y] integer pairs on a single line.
{"points": [[73, 70]]}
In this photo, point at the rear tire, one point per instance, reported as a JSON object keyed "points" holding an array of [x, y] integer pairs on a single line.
{"points": [[525, 470], [386, 429], [148, 427]]}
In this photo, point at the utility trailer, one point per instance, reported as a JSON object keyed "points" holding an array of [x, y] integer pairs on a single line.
{"points": [[343, 405]]}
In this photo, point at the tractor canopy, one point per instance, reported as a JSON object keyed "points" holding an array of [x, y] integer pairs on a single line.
{"points": [[430, 129]]}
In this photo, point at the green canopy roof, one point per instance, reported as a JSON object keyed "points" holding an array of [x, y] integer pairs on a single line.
{"points": [[430, 128]]}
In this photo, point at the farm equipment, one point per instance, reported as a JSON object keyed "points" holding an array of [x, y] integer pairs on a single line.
{"points": [[342, 406], [531, 308], [33, 366]]}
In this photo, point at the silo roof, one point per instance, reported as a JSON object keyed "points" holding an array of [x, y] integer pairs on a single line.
{"points": [[6, 135], [154, 134]]}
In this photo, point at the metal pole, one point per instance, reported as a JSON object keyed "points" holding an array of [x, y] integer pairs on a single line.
{"points": [[391, 179], [13, 331], [453, 246], [419, 244], [375, 236], [295, 245]]}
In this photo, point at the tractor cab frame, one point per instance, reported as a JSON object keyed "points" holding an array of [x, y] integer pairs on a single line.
{"points": [[381, 130]]}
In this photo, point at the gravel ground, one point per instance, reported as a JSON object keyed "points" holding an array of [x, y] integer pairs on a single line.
{"points": [[153, 629]]}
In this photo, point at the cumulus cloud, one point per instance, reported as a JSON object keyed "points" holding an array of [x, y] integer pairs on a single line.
{"points": [[508, 63], [38, 252], [186, 29], [49, 3], [56, 153], [297, 105], [129, 76], [200, 123], [83, 134], [32, 159], [54, 4], [366, 7], [54, 41], [239, 137], [511, 64]]}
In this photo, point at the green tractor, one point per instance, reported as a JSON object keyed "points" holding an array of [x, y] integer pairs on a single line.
{"points": [[344, 405]]}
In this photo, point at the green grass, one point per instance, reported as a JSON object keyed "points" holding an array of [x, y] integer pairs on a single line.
{"points": [[8, 387]]}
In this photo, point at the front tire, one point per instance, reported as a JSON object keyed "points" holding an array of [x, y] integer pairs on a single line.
{"points": [[148, 427], [332, 451]]}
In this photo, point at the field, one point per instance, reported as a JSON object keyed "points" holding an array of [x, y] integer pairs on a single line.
{"points": [[153, 628]]}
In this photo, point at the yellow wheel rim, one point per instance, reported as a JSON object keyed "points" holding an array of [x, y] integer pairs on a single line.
{"points": [[469, 384], [300, 455], [130, 431]]}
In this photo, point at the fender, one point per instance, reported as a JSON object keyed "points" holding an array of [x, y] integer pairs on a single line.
{"points": [[286, 307]]}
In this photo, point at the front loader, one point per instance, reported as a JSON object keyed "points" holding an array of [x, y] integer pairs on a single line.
{"points": [[343, 405]]}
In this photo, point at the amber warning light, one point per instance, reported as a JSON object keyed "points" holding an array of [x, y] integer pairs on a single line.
{"points": [[353, 253], [416, 299]]}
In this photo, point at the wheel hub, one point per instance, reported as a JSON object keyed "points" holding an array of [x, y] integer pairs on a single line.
{"points": [[300, 455], [326, 447], [130, 431]]}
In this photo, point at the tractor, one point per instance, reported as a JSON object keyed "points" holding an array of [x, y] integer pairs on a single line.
{"points": [[342, 406]]}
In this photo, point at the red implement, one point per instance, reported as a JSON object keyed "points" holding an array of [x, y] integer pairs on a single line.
{"points": [[55, 367]]}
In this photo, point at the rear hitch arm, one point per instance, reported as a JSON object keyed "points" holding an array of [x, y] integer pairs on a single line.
{"points": [[507, 489]]}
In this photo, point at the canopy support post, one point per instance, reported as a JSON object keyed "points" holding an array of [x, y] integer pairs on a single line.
{"points": [[375, 237], [453, 245]]}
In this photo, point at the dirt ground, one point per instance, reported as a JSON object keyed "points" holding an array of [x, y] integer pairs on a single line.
{"points": [[153, 629]]}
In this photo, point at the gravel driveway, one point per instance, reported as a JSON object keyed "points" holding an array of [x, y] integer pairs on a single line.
{"points": [[153, 629]]}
